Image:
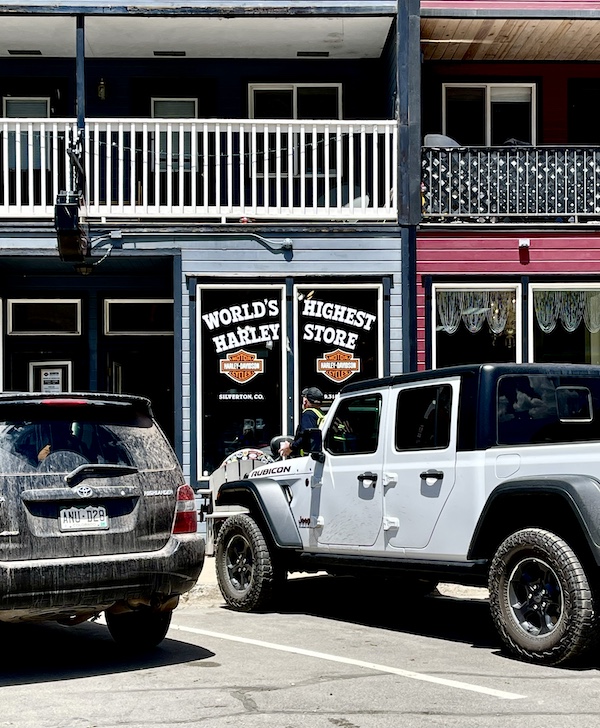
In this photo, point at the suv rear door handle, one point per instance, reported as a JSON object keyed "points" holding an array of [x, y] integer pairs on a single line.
{"points": [[432, 475], [368, 476]]}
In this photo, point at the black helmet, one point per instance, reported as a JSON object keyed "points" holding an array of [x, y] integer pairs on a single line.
{"points": [[313, 395]]}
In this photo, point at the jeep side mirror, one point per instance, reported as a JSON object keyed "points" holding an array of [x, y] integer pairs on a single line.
{"points": [[312, 443]]}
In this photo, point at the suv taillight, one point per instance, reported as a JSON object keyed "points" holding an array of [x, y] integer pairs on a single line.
{"points": [[186, 517]]}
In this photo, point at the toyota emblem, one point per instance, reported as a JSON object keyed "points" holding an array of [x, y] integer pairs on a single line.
{"points": [[84, 491]]}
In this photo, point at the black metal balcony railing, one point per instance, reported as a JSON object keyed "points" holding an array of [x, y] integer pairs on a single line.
{"points": [[511, 184]]}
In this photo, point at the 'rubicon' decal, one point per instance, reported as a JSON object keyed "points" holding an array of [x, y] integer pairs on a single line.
{"points": [[275, 470]]}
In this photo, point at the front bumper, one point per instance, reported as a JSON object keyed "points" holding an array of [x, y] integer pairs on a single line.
{"points": [[54, 588]]}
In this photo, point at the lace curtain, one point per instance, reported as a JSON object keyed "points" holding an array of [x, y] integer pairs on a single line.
{"points": [[568, 307], [474, 308]]}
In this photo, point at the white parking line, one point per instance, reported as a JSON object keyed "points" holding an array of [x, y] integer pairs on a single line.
{"points": [[457, 684]]}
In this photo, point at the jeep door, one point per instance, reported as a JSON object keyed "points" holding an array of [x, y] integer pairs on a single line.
{"points": [[420, 466], [350, 506]]}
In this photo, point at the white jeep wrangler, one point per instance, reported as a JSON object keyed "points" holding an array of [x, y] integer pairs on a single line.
{"points": [[482, 475]]}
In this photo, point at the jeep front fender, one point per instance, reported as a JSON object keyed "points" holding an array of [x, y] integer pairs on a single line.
{"points": [[569, 504], [268, 498]]}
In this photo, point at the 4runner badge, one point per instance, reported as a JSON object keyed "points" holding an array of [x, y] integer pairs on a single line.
{"points": [[241, 366], [338, 365]]}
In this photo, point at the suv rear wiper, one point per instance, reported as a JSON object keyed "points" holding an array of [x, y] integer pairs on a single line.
{"points": [[103, 470]]}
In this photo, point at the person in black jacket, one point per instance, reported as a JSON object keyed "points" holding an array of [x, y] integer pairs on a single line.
{"points": [[311, 417]]}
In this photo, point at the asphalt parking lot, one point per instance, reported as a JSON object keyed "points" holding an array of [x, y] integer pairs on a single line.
{"points": [[332, 654]]}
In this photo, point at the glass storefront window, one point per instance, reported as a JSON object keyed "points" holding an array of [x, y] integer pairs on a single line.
{"points": [[473, 325], [339, 335], [565, 324], [241, 351]]}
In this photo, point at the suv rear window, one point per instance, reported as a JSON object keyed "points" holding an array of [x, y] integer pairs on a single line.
{"points": [[32, 435], [534, 409]]}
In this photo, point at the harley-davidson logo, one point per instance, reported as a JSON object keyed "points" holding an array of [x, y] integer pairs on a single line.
{"points": [[241, 366], [338, 365]]}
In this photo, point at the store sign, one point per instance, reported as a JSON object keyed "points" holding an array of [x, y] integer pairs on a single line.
{"points": [[242, 366], [240, 373], [339, 335]]}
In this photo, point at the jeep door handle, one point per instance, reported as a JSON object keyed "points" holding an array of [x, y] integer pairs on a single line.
{"points": [[432, 475], [368, 476]]}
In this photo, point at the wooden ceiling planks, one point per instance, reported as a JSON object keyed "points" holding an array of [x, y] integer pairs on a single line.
{"points": [[515, 39]]}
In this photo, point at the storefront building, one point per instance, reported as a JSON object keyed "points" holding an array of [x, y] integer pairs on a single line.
{"points": [[240, 206], [508, 248]]}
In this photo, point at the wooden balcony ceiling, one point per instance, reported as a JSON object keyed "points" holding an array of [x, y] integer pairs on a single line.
{"points": [[197, 37], [510, 39]]}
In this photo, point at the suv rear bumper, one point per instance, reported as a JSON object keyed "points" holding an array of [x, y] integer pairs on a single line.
{"points": [[53, 588]]}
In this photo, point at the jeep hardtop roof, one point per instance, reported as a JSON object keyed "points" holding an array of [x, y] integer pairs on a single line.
{"points": [[488, 373]]}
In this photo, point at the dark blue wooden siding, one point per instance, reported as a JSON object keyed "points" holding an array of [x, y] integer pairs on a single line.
{"points": [[221, 86]]}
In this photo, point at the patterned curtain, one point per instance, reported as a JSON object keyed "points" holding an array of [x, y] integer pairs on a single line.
{"points": [[568, 307], [474, 308]]}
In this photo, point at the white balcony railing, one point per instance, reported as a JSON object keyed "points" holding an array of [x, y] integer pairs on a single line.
{"points": [[204, 169]]}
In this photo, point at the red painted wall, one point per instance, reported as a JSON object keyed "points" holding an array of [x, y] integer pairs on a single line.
{"points": [[448, 258], [552, 86]]}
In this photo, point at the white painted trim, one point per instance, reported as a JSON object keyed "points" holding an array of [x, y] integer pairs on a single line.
{"points": [[487, 86], [106, 321], [7, 100], [567, 286], [516, 287], [336, 287], [293, 87], [196, 371], [9, 321], [188, 99], [33, 365]]}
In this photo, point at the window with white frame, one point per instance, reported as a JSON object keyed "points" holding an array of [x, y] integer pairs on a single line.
{"points": [[295, 101], [565, 323], [473, 324], [44, 317], [489, 114], [138, 317], [20, 107], [166, 108]]}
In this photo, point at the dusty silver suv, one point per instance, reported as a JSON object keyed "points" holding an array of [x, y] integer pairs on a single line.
{"points": [[94, 515]]}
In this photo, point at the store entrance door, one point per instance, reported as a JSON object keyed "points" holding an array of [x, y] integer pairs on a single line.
{"points": [[144, 367]]}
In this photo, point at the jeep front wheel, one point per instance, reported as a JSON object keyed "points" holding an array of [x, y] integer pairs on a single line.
{"points": [[246, 571], [540, 598]]}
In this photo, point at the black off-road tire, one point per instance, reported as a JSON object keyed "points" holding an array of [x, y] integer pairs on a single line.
{"points": [[140, 630], [541, 599], [247, 572]]}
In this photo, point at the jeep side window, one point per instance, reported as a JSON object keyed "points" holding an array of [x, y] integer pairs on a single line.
{"points": [[534, 409], [423, 418], [355, 426]]}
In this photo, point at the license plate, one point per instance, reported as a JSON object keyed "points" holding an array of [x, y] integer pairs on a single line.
{"points": [[83, 518]]}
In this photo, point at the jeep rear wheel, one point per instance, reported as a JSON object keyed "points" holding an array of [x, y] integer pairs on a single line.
{"points": [[247, 574], [540, 598]]}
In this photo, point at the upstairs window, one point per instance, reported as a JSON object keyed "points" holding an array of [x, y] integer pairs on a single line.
{"points": [[295, 101], [26, 108], [489, 114], [174, 108]]}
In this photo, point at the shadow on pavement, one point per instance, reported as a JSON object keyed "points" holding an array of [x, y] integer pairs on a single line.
{"points": [[48, 652], [388, 606]]}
